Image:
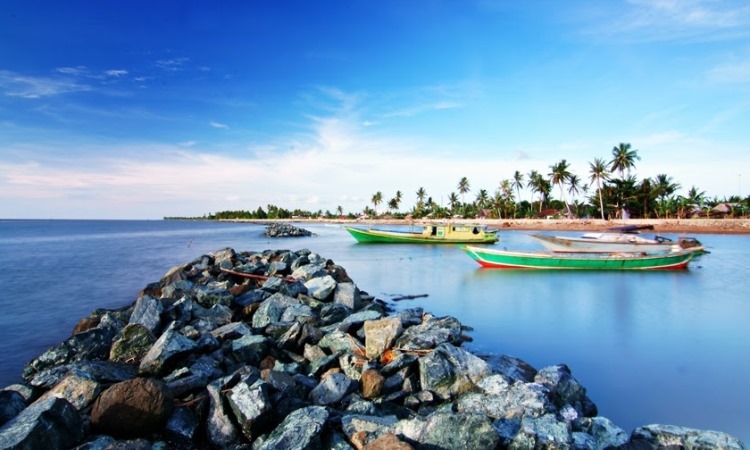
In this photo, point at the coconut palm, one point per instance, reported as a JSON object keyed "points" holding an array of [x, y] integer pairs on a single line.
{"points": [[453, 201], [623, 158], [533, 185], [599, 172], [463, 188], [482, 199], [574, 188], [377, 199], [560, 176], [506, 190], [664, 187], [517, 183]]}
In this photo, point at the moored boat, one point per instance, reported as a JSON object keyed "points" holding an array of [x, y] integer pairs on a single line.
{"points": [[502, 259], [430, 234], [618, 240]]}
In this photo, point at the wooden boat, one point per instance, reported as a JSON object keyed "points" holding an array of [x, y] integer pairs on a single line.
{"points": [[430, 234], [501, 259], [618, 240]]}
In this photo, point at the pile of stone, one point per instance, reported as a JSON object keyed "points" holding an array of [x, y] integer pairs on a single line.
{"points": [[281, 350], [278, 229]]}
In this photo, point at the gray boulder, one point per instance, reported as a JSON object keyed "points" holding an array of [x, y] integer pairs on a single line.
{"points": [[52, 423], [668, 436], [170, 346], [450, 371], [147, 312], [332, 389], [301, 430], [11, 403]]}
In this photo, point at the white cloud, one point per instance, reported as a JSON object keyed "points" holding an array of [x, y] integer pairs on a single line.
{"points": [[670, 20], [24, 86], [731, 73], [115, 73], [219, 125]]}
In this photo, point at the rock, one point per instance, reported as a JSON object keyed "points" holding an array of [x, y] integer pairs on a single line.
{"points": [[348, 294], [321, 288], [169, 347], [147, 312], [251, 405], [332, 389], [133, 408], [302, 429], [387, 441], [220, 429], [449, 371], [77, 390], [11, 403], [277, 230], [430, 334], [250, 349], [371, 384], [565, 389], [93, 344], [511, 367], [131, 344], [380, 335], [52, 423], [543, 432], [272, 309], [445, 430], [669, 436]]}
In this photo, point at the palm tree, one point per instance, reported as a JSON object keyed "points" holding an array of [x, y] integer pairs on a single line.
{"points": [[482, 199], [506, 190], [517, 183], [664, 187], [533, 185], [574, 188], [599, 171], [397, 199], [340, 210], [453, 200], [377, 199], [463, 188], [560, 176], [623, 158], [696, 197]]}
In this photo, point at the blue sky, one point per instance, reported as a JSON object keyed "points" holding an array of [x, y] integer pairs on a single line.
{"points": [[179, 108]]}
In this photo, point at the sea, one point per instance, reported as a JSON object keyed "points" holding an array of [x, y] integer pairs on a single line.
{"points": [[668, 347]]}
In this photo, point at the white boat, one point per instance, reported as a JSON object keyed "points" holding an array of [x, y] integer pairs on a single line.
{"points": [[618, 240]]}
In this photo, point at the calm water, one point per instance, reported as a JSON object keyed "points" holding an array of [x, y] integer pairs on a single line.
{"points": [[666, 347]]}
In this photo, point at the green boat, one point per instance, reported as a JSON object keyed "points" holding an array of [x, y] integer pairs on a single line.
{"points": [[430, 234], [500, 259]]}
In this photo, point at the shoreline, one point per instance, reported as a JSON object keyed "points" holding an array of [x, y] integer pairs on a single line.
{"points": [[678, 226]]}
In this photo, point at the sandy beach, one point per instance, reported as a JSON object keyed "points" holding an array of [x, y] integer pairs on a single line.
{"points": [[679, 226]]}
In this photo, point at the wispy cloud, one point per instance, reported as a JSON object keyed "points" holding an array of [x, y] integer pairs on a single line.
{"points": [[672, 20], [115, 73], [219, 125], [32, 87], [730, 73], [172, 64]]}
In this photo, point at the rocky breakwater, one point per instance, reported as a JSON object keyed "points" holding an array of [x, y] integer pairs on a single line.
{"points": [[281, 350], [276, 230]]}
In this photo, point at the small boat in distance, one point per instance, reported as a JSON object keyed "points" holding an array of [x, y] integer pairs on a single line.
{"points": [[618, 240], [501, 259], [430, 234]]}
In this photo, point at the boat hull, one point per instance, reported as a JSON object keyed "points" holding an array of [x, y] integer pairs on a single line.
{"points": [[583, 245], [499, 259], [443, 234]]}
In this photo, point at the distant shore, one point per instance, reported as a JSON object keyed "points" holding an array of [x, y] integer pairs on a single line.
{"points": [[694, 226]]}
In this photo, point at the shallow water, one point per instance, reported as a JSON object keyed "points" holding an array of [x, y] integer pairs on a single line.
{"points": [[655, 347]]}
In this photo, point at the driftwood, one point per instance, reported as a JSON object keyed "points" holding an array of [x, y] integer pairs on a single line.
{"points": [[408, 297], [256, 277]]}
